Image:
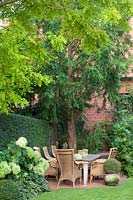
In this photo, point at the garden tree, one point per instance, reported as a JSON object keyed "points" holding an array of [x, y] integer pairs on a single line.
{"points": [[78, 77], [21, 56], [22, 53]]}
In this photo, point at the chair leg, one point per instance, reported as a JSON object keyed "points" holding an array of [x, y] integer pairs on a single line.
{"points": [[91, 177], [56, 177], [58, 183], [73, 184], [80, 179]]}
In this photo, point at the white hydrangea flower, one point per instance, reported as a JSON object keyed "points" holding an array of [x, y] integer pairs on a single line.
{"points": [[4, 169], [41, 167], [15, 168], [30, 152], [22, 142], [36, 156], [30, 166], [25, 174]]}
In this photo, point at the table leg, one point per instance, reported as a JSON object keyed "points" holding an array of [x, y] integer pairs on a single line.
{"points": [[85, 173]]}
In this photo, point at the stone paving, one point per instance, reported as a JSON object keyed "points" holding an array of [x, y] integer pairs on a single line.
{"points": [[52, 182]]}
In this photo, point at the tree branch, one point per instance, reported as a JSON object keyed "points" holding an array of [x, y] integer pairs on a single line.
{"points": [[7, 2]]}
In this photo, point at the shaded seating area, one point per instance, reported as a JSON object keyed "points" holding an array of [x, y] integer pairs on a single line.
{"points": [[69, 170], [65, 166]]}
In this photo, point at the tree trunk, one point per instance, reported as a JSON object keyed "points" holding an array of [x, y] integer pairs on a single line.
{"points": [[72, 142], [53, 135]]}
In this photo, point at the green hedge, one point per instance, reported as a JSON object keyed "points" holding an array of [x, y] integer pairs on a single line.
{"points": [[13, 126]]}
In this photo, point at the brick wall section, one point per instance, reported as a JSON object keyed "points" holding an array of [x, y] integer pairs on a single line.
{"points": [[93, 115]]}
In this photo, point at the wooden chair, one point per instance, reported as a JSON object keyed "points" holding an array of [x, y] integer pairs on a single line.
{"points": [[53, 150], [53, 169], [97, 168], [46, 154], [53, 166], [113, 152], [69, 170]]}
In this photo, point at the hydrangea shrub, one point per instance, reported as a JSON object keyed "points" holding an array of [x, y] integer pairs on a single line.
{"points": [[19, 160]]}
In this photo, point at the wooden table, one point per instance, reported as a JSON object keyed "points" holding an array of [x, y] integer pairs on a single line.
{"points": [[86, 161]]}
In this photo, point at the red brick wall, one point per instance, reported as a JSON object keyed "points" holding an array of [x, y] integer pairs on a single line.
{"points": [[95, 114]]}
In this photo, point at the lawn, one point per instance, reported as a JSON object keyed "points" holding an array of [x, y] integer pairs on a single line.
{"points": [[120, 192]]}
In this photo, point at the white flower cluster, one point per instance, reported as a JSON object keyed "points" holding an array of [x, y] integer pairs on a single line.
{"points": [[22, 142], [15, 168], [33, 161], [7, 168], [4, 169], [41, 167], [30, 152]]}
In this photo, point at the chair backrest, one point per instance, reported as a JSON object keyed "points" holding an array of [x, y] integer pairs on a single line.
{"points": [[46, 153], [97, 167], [53, 150], [65, 158], [113, 153]]}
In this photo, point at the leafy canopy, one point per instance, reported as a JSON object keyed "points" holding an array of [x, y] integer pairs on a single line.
{"points": [[78, 77], [21, 47]]}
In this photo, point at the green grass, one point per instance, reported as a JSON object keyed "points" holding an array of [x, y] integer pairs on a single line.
{"points": [[120, 192]]}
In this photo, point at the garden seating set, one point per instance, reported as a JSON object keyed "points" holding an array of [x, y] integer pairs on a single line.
{"points": [[64, 166]]}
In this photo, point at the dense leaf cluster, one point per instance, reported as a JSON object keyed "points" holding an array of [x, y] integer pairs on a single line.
{"points": [[22, 50], [14, 126], [9, 190], [78, 77], [122, 138], [112, 166]]}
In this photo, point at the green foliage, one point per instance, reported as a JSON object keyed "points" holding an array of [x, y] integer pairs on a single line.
{"points": [[20, 59], [19, 160], [98, 139], [82, 135], [25, 166], [123, 106], [13, 126], [31, 187], [77, 76], [112, 166], [75, 21], [121, 135], [22, 49], [9, 190]]}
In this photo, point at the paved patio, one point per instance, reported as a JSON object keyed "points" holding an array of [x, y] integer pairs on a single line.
{"points": [[99, 182], [52, 182]]}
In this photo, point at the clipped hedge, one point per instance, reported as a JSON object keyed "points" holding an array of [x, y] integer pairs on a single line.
{"points": [[13, 126], [112, 166]]}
